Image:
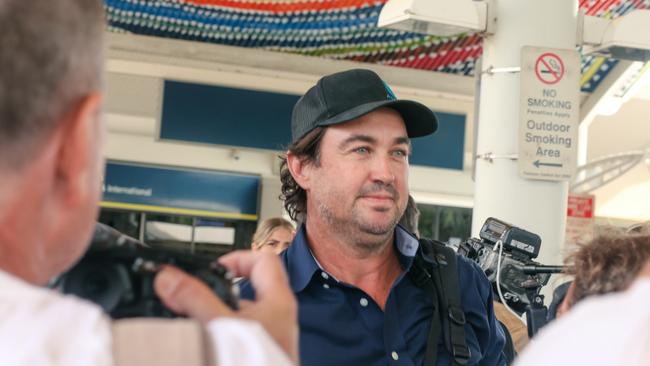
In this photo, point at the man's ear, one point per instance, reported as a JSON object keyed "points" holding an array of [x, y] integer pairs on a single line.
{"points": [[300, 170], [80, 139]]}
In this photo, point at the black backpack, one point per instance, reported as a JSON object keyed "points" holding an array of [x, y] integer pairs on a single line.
{"points": [[435, 269]]}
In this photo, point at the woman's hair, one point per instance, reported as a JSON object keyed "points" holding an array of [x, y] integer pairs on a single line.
{"points": [[609, 263], [266, 228], [308, 150]]}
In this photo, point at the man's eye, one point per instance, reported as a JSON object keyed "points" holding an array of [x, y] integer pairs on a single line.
{"points": [[400, 153], [362, 150]]}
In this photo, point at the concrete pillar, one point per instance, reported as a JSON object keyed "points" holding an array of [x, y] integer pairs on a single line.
{"points": [[271, 205], [535, 205]]}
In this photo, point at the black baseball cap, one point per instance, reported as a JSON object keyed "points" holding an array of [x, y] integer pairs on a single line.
{"points": [[348, 95]]}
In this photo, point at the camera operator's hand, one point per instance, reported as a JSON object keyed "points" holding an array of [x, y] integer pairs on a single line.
{"points": [[275, 307]]}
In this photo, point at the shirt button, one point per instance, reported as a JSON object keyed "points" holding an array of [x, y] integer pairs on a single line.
{"points": [[394, 355], [326, 285], [324, 275], [363, 302]]}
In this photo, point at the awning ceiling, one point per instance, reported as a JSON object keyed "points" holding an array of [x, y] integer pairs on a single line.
{"points": [[336, 29]]}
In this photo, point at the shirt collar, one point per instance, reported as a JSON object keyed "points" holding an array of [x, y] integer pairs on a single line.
{"points": [[301, 264], [407, 244]]}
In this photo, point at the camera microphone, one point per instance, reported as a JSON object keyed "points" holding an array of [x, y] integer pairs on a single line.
{"points": [[536, 269]]}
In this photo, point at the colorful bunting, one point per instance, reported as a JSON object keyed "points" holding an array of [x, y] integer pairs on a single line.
{"points": [[336, 29]]}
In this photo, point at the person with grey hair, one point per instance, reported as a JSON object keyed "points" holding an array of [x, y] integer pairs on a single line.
{"points": [[51, 165]]}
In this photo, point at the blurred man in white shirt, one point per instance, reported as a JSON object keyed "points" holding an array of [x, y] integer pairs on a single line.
{"points": [[609, 329], [51, 134]]}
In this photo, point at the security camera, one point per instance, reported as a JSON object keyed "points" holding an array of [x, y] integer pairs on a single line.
{"points": [[436, 17], [235, 154], [626, 37]]}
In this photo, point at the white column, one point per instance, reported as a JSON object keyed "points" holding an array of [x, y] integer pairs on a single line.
{"points": [[271, 205], [535, 205]]}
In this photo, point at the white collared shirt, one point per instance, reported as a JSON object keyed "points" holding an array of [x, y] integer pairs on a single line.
{"points": [[41, 327], [604, 330]]}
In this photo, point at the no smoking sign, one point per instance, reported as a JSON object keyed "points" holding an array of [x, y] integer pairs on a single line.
{"points": [[549, 103], [549, 68]]}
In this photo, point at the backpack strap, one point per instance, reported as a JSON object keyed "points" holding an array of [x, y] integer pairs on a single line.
{"points": [[446, 290], [421, 274]]}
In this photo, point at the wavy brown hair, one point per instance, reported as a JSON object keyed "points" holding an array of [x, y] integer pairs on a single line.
{"points": [[609, 263], [308, 150]]}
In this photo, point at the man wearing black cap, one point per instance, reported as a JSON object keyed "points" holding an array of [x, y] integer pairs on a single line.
{"points": [[345, 178], [51, 164]]}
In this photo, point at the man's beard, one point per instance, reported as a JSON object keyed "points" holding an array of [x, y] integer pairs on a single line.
{"points": [[365, 234]]}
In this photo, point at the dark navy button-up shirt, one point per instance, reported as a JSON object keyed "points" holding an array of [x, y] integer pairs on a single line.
{"points": [[342, 325]]}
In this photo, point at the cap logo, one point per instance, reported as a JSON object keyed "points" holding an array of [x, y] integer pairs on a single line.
{"points": [[389, 93]]}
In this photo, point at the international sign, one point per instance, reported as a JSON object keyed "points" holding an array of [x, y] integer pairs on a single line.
{"points": [[548, 113]]}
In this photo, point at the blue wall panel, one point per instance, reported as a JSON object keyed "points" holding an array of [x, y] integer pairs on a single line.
{"points": [[255, 119], [445, 148], [226, 116]]}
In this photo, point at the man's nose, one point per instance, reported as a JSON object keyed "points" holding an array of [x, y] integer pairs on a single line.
{"points": [[382, 171]]}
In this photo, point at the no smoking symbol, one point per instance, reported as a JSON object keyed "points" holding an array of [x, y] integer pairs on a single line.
{"points": [[549, 68]]}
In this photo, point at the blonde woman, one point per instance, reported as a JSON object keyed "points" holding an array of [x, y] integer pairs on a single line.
{"points": [[274, 234]]}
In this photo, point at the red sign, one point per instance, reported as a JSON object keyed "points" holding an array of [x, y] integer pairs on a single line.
{"points": [[549, 68], [580, 206]]}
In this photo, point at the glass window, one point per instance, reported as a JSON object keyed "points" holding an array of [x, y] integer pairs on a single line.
{"points": [[169, 231], [220, 236], [198, 235], [447, 224], [127, 222]]}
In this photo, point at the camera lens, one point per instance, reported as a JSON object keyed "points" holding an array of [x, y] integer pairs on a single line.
{"points": [[94, 285], [100, 282]]}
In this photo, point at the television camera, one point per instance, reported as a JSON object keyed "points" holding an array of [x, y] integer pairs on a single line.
{"points": [[505, 253], [117, 273]]}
